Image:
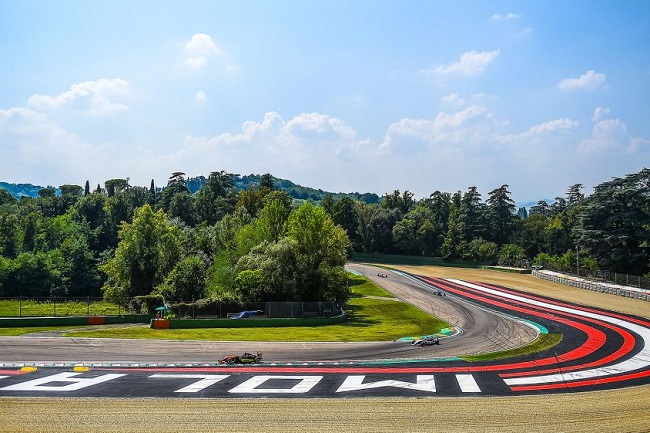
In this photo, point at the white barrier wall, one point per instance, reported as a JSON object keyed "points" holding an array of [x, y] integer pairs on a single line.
{"points": [[594, 286]]}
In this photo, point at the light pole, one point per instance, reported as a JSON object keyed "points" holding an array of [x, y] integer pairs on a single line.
{"points": [[578, 260]]}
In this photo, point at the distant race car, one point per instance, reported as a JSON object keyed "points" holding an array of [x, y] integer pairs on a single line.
{"points": [[427, 341], [245, 358]]}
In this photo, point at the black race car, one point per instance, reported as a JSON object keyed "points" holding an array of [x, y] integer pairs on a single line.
{"points": [[245, 358], [426, 341]]}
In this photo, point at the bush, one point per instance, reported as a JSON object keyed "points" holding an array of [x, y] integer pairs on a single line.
{"points": [[146, 304], [513, 255]]}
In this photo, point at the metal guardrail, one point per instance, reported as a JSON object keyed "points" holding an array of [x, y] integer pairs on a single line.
{"points": [[594, 286]]}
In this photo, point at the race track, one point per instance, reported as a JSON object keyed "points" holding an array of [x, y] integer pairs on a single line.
{"points": [[599, 350]]}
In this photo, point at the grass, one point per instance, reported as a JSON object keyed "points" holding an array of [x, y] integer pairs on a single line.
{"points": [[361, 286], [543, 342], [12, 332], [32, 308]]}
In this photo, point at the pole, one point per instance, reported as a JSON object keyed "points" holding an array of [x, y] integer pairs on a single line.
{"points": [[578, 259]]}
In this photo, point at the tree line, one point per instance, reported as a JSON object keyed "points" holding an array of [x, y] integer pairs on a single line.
{"points": [[207, 238]]}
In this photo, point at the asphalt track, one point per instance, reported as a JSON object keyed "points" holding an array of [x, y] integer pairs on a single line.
{"points": [[599, 350]]}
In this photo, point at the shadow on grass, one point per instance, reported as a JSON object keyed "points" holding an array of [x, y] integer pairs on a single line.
{"points": [[356, 320]]}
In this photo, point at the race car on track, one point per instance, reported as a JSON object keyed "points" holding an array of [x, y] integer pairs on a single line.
{"points": [[426, 341], [245, 358]]}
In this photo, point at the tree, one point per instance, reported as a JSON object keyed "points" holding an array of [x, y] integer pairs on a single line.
{"points": [[71, 190], [612, 224], [416, 232], [6, 198], [252, 199], [453, 244], [345, 215], [471, 215], [574, 196], [147, 251], [87, 188], [217, 197], [272, 219], [322, 247], [182, 206], [327, 203], [115, 186], [481, 250], [541, 208], [380, 230], [501, 210], [269, 272], [532, 234], [186, 282], [266, 182], [33, 275], [93, 210], [402, 202], [152, 194], [9, 235], [79, 271], [47, 192], [513, 255], [176, 184]]}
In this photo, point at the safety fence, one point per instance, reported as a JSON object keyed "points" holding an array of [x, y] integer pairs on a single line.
{"points": [[600, 275], [596, 286], [229, 309], [201, 309], [56, 306]]}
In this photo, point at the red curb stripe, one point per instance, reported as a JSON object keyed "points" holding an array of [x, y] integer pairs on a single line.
{"points": [[595, 338]]}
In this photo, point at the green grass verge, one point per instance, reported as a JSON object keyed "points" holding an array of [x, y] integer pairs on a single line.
{"points": [[361, 286], [10, 332], [543, 342], [31, 308]]}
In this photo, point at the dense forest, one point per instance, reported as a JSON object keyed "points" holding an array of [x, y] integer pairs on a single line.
{"points": [[258, 238]]}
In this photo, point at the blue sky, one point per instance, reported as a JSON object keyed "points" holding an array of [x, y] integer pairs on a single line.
{"points": [[366, 96]]}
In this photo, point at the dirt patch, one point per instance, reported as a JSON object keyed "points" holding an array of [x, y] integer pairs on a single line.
{"points": [[606, 411]]}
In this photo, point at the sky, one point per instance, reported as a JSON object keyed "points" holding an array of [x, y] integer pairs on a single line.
{"points": [[340, 95]]}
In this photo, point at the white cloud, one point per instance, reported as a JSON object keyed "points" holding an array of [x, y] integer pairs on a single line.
{"points": [[196, 62], [201, 44], [468, 128], [553, 126], [470, 63], [599, 113], [95, 97], [37, 150], [587, 81], [456, 101], [199, 49], [200, 96], [610, 136], [508, 16]]}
